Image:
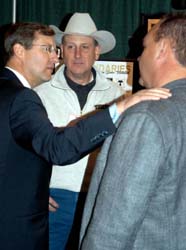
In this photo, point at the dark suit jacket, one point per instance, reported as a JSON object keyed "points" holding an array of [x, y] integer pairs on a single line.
{"points": [[29, 145]]}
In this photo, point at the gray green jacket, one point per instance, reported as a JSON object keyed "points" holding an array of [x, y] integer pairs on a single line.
{"points": [[137, 196]]}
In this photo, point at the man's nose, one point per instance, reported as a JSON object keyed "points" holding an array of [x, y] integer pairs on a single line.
{"points": [[54, 57], [77, 52]]}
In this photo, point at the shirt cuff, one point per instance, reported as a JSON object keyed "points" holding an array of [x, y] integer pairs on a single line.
{"points": [[114, 114]]}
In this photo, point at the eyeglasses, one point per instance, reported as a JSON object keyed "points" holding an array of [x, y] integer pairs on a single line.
{"points": [[49, 49]]}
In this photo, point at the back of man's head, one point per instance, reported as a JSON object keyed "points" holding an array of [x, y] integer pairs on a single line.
{"points": [[173, 27]]}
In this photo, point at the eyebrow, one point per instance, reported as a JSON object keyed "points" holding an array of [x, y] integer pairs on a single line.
{"points": [[74, 43]]}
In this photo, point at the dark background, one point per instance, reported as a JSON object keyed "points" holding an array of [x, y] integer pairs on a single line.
{"points": [[126, 19]]}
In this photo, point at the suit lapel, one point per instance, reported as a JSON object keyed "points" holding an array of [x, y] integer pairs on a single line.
{"points": [[9, 75]]}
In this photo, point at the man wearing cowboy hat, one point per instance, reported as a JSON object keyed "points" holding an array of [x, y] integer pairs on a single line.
{"points": [[76, 88]]}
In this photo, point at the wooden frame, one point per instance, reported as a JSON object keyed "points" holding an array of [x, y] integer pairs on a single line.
{"points": [[151, 22]]}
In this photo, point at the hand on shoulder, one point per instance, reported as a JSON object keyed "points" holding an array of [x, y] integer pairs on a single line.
{"points": [[155, 94]]}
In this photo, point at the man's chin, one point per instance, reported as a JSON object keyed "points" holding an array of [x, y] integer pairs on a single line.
{"points": [[46, 78]]}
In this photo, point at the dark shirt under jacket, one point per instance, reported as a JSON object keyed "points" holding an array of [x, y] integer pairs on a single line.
{"points": [[81, 91]]}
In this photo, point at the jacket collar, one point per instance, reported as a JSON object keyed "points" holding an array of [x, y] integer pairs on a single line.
{"points": [[58, 80]]}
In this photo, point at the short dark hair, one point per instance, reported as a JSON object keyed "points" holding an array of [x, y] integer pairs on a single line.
{"points": [[173, 27], [24, 33]]}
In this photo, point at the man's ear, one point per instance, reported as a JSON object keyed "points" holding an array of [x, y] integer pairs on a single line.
{"points": [[61, 47], [97, 52], [18, 50], [162, 48]]}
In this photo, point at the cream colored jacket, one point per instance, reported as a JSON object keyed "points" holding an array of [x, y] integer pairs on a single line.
{"points": [[62, 106]]}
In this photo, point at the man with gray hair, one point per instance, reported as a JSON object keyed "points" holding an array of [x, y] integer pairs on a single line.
{"points": [[137, 195]]}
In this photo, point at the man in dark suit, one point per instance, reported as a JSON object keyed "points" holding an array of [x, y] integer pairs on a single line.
{"points": [[29, 144]]}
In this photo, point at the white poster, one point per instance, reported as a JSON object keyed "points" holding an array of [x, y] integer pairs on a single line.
{"points": [[120, 72]]}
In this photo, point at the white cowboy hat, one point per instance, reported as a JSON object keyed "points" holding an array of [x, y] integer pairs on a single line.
{"points": [[82, 24]]}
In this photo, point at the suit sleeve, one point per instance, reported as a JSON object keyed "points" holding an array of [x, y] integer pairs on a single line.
{"points": [[135, 156], [32, 129]]}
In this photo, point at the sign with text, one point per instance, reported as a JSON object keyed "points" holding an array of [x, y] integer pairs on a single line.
{"points": [[120, 72]]}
